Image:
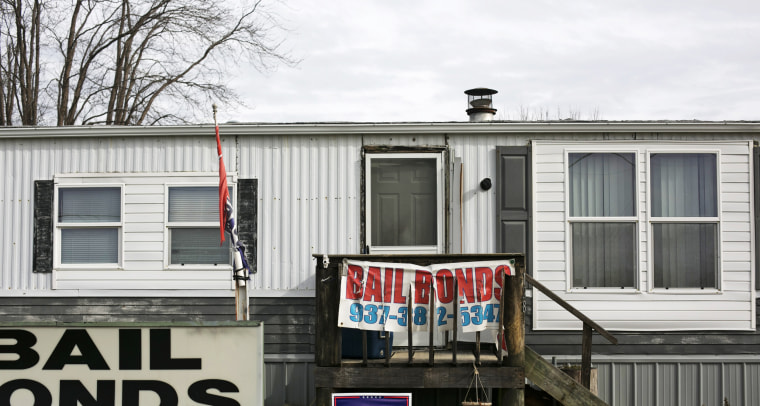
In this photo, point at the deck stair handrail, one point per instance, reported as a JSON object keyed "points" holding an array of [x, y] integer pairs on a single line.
{"points": [[588, 326]]}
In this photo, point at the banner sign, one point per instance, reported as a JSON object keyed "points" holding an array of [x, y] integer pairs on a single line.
{"points": [[376, 295], [132, 365], [372, 399]]}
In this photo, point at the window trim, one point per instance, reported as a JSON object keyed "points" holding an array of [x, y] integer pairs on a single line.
{"points": [[650, 220], [439, 156], [569, 220], [644, 219], [57, 226], [232, 184]]}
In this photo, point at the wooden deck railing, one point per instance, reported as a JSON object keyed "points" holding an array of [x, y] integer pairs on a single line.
{"points": [[333, 372], [439, 368], [588, 326]]}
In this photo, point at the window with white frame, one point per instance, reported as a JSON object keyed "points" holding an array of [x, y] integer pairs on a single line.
{"points": [[404, 202], [602, 219], [682, 204], [691, 211], [684, 220], [193, 225], [88, 225]]}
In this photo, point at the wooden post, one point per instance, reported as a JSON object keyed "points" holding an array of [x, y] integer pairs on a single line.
{"points": [[455, 340], [241, 300], [409, 321], [500, 337], [514, 326], [431, 323], [586, 357], [240, 279], [364, 348], [388, 349], [328, 337]]}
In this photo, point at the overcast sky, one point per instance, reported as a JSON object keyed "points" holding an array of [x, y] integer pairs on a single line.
{"points": [[391, 61]]}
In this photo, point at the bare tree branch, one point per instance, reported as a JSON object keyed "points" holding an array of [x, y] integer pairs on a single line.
{"points": [[128, 62], [21, 59]]}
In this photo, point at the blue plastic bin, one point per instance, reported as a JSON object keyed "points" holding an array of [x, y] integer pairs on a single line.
{"points": [[352, 343]]}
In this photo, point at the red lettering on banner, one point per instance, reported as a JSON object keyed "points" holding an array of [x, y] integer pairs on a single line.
{"points": [[466, 285], [388, 285], [498, 278], [373, 289], [422, 287], [354, 282], [398, 287], [445, 285], [504, 268], [500, 271], [484, 283]]}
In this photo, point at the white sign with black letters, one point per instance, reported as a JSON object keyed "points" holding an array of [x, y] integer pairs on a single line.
{"points": [[132, 365]]}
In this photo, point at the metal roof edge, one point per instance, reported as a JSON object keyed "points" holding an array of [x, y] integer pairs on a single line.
{"points": [[493, 127]]}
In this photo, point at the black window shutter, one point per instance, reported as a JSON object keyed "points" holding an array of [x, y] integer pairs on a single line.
{"points": [[42, 260], [513, 200], [247, 204]]}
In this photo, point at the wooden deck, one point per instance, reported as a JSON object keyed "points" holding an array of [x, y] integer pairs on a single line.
{"points": [[421, 357], [434, 368], [398, 372], [430, 368]]}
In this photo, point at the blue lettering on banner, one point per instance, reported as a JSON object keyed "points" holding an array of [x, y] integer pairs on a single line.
{"points": [[378, 315]]}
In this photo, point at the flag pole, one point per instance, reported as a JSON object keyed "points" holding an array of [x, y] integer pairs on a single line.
{"points": [[228, 222]]}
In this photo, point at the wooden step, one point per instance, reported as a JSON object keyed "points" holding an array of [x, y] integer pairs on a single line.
{"points": [[557, 383]]}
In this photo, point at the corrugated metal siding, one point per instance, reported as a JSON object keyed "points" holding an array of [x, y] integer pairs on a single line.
{"points": [[667, 392], [478, 154], [645, 375], [309, 200], [310, 196], [289, 382], [21, 164], [751, 377], [310, 193], [677, 381]]}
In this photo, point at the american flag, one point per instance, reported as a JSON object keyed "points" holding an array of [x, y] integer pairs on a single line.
{"points": [[224, 194], [227, 217]]}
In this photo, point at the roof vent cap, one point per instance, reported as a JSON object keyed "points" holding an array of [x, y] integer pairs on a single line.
{"points": [[480, 104]]}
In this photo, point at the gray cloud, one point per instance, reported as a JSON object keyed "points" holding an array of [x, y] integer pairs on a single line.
{"points": [[411, 61]]}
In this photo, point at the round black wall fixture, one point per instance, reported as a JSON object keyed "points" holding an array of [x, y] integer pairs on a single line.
{"points": [[485, 184]]}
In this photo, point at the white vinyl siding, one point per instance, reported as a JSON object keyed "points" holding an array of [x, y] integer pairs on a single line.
{"points": [[727, 306], [144, 241]]}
